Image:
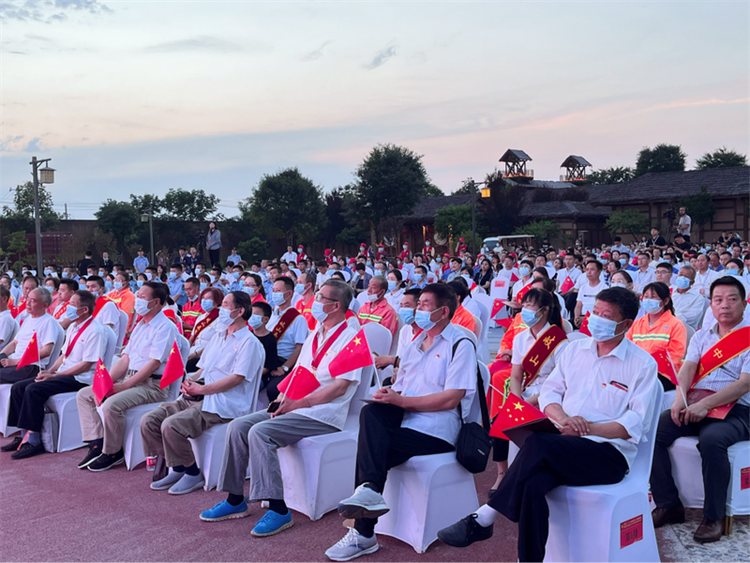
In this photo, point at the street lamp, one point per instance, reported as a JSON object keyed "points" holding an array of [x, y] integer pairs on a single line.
{"points": [[485, 192], [149, 218], [47, 175]]}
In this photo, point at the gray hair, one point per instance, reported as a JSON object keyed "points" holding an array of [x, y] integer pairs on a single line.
{"points": [[44, 295], [690, 270], [341, 292], [382, 282]]}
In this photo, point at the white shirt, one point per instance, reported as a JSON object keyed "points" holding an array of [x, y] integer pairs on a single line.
{"points": [[685, 221], [563, 274], [522, 343], [433, 371], [239, 353], [295, 334], [151, 340], [519, 285], [709, 320], [726, 374], [289, 257], [204, 336], [583, 384], [394, 298], [332, 413], [689, 307], [322, 278], [587, 295], [405, 336], [89, 347], [109, 315], [8, 328], [46, 329], [642, 279], [703, 282]]}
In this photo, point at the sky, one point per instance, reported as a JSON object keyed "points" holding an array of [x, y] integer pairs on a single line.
{"points": [[143, 96]]}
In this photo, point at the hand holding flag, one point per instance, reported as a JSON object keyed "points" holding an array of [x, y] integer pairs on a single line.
{"points": [[31, 354], [355, 355], [174, 369], [298, 384], [102, 385], [665, 366]]}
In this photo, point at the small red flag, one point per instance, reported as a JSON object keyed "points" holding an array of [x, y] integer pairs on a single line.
{"points": [[567, 285], [585, 325], [298, 384], [174, 369], [514, 278], [515, 412], [497, 306], [665, 366], [355, 355], [31, 354], [102, 382]]}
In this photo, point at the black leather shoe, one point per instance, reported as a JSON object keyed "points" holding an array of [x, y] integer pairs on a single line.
{"points": [[709, 531], [491, 492], [107, 461], [27, 450], [94, 452], [465, 532], [662, 516], [12, 446]]}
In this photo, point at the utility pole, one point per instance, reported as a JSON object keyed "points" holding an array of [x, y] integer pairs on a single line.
{"points": [[48, 177], [151, 233]]}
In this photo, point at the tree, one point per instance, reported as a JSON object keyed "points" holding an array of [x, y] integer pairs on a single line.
{"points": [[720, 158], [540, 230], [615, 175], [454, 221], [17, 245], [21, 217], [120, 219], [286, 204], [253, 250], [146, 203], [193, 206], [467, 187], [503, 208], [701, 209], [389, 182], [662, 158], [627, 221]]}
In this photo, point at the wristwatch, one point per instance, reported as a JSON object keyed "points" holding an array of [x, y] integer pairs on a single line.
{"points": [[285, 368]]}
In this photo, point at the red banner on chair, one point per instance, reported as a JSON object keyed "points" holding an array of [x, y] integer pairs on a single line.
{"points": [[744, 478], [631, 531]]}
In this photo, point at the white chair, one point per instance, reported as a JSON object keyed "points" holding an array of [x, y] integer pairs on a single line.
{"points": [[576, 335], [483, 347], [355, 305], [319, 471], [688, 476], [69, 435], [362, 298], [378, 338], [586, 523], [468, 333], [690, 334], [122, 328], [484, 299]]}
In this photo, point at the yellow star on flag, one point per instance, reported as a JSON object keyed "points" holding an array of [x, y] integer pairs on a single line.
{"points": [[357, 341], [518, 406]]}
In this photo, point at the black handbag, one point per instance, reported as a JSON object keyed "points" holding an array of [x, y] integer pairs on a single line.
{"points": [[473, 444]]}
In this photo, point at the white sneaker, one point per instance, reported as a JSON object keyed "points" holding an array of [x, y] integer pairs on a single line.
{"points": [[364, 503], [167, 482], [187, 484], [351, 546]]}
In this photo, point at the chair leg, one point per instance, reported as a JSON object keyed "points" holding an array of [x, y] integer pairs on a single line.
{"points": [[728, 520]]}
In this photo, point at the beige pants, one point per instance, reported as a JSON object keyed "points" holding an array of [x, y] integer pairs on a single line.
{"points": [[113, 412], [166, 430]]}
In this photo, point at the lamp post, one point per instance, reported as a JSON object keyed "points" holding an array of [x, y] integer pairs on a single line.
{"points": [[44, 175], [150, 218], [485, 192]]}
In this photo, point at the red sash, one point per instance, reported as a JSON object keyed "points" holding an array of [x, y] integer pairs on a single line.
{"points": [[77, 336], [61, 311], [318, 355], [726, 349], [413, 338], [199, 326], [540, 352], [522, 292], [285, 322], [100, 303]]}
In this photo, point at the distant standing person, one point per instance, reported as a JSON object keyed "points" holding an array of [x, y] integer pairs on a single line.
{"points": [[683, 227], [213, 243], [85, 263]]}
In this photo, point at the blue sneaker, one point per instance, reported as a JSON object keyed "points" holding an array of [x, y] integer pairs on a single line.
{"points": [[272, 523], [225, 511]]}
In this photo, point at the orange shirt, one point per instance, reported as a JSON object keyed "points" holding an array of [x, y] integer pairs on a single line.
{"points": [[516, 326], [125, 301], [306, 310], [668, 333], [380, 312], [190, 313], [463, 318]]}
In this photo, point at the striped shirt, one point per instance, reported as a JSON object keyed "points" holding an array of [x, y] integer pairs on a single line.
{"points": [[667, 333], [379, 312]]}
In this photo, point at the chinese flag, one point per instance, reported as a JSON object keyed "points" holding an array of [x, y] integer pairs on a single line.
{"points": [[298, 384], [665, 365], [31, 354], [174, 369], [585, 325], [102, 382], [355, 355], [515, 412], [514, 278], [567, 285]]}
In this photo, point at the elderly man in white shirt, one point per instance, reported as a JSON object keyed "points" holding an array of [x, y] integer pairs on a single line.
{"points": [[8, 325], [417, 416], [689, 305], [230, 367], [602, 394], [137, 377], [258, 436], [704, 276]]}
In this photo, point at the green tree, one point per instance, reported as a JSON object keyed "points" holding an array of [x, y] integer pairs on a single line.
{"points": [[662, 158], [467, 187], [720, 158], [540, 230], [503, 208], [119, 218], [615, 175], [286, 204], [627, 221], [701, 209], [454, 221], [17, 246], [389, 182], [146, 203], [253, 250], [193, 205], [21, 217]]}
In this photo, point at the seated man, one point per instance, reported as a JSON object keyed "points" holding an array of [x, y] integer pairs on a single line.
{"points": [[85, 343], [8, 325], [176, 284], [140, 369], [106, 311], [462, 317], [718, 365], [40, 323], [258, 436], [409, 331], [64, 293], [689, 305], [377, 309], [417, 416], [230, 367], [601, 393]]}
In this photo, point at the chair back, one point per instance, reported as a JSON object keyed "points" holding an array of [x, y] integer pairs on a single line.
{"points": [[122, 328], [484, 299], [56, 346], [642, 465], [576, 335], [110, 343], [355, 305], [690, 334], [15, 328], [362, 297], [378, 338], [364, 390], [468, 333]]}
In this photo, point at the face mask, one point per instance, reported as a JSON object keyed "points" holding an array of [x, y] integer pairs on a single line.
{"points": [[33, 272], [731, 272], [602, 329], [379, 272], [198, 271], [139, 283], [11, 274], [422, 318], [249, 290], [102, 273], [47, 272], [224, 319], [172, 275], [317, 311], [418, 277], [372, 297], [65, 275], [141, 306], [651, 305], [391, 285], [50, 288], [427, 244], [255, 321], [381, 249], [54, 274], [529, 317], [404, 247], [71, 313], [619, 285], [299, 288], [299, 250], [438, 260], [118, 285], [682, 282], [207, 305], [524, 271], [210, 277], [623, 261], [235, 275], [407, 316], [149, 276], [107, 285], [398, 262], [277, 298]]}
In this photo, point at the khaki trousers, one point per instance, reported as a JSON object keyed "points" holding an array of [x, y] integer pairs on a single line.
{"points": [[166, 430], [113, 412]]}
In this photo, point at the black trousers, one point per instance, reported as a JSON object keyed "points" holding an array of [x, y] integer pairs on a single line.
{"points": [[500, 449], [11, 374], [271, 382], [192, 365], [383, 444], [714, 438], [27, 400], [547, 461], [213, 257]]}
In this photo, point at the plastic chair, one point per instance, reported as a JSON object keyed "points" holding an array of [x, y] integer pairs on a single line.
{"points": [[122, 328], [576, 335], [690, 334], [483, 347], [688, 476], [378, 338], [319, 471], [467, 332], [362, 298], [607, 513]]}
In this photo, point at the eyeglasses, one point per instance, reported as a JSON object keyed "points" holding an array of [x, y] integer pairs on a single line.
{"points": [[319, 296]]}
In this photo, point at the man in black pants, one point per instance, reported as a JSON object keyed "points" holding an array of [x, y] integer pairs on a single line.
{"points": [[85, 342], [722, 354], [602, 393], [417, 416]]}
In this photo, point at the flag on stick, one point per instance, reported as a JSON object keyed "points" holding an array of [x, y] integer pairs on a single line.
{"points": [[102, 382], [174, 369], [31, 354], [298, 384], [355, 355]]}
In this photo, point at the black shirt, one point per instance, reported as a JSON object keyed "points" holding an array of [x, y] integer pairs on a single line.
{"points": [[83, 266], [658, 241], [269, 345]]}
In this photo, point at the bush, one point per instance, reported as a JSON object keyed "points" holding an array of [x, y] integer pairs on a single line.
{"points": [[253, 250]]}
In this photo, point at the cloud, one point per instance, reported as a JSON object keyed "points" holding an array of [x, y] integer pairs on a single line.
{"points": [[47, 11], [92, 6], [710, 102], [198, 43], [381, 58], [316, 54], [32, 145]]}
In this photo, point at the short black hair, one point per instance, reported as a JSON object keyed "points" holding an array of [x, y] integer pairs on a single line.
{"points": [[598, 264], [87, 299], [460, 287], [666, 265], [414, 291], [177, 266], [96, 279], [193, 280], [547, 284], [445, 296], [263, 306], [624, 299], [158, 291], [322, 264], [287, 281], [542, 270], [72, 284], [242, 299], [728, 280]]}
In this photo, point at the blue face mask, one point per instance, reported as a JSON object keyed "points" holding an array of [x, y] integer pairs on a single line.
{"points": [[623, 261], [299, 288], [107, 285], [139, 283], [225, 316], [118, 285], [682, 282], [651, 305], [731, 272], [422, 318], [407, 316], [207, 304], [524, 271], [204, 285], [317, 311], [255, 321], [602, 329], [619, 285], [277, 298], [235, 275], [249, 290], [71, 313], [417, 277], [529, 317], [391, 285]]}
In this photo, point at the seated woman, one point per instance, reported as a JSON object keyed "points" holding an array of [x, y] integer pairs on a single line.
{"points": [[659, 330], [395, 289], [211, 298]]}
